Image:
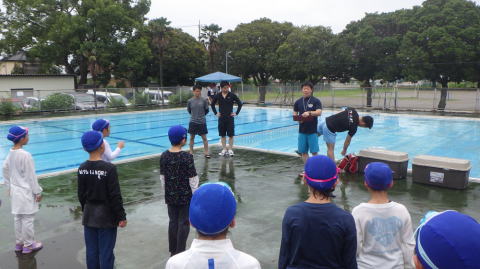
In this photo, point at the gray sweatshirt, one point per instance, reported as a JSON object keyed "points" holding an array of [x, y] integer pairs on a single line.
{"points": [[198, 108]]}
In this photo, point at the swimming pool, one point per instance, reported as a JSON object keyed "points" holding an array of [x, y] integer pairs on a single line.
{"points": [[55, 143]]}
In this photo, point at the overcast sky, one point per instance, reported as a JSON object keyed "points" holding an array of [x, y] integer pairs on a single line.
{"points": [[335, 14]]}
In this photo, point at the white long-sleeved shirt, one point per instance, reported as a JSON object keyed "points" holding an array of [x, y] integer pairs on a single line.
{"points": [[212, 254], [22, 182], [108, 155], [384, 236]]}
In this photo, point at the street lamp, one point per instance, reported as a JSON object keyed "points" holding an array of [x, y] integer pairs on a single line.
{"points": [[227, 54]]}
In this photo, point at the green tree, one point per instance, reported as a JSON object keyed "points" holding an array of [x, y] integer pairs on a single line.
{"points": [[133, 61], [254, 46], [304, 55], [209, 38], [185, 59], [159, 31], [437, 46], [62, 32], [182, 57], [374, 42]]}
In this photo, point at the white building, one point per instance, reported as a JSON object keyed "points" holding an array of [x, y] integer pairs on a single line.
{"points": [[25, 85]]}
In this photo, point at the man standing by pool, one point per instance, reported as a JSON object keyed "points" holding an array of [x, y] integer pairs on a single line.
{"points": [[197, 107], [226, 124], [347, 120], [306, 110]]}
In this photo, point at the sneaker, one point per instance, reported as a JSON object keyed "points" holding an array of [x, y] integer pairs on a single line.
{"points": [[223, 153], [33, 247], [230, 152], [18, 247]]}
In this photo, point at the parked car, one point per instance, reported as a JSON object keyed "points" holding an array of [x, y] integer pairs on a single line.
{"points": [[85, 101], [31, 102], [156, 96], [107, 97]]}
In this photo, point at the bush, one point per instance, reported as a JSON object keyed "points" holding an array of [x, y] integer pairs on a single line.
{"points": [[180, 98], [58, 101], [7, 108], [116, 103], [142, 99]]}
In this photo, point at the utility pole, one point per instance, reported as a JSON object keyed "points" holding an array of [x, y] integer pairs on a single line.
{"points": [[199, 31]]}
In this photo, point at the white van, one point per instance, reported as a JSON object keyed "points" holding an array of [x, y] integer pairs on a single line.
{"points": [[106, 97], [156, 96]]}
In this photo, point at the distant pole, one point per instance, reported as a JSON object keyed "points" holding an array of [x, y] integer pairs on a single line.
{"points": [[199, 31], [227, 52]]}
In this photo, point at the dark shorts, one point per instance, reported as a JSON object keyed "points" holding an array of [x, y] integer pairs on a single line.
{"points": [[197, 128], [226, 126]]}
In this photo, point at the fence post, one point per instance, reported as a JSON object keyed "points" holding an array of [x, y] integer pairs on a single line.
{"points": [[180, 92], [477, 100], [395, 90], [434, 98], [333, 98], [384, 100]]}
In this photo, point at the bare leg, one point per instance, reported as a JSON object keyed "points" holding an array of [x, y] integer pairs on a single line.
{"points": [[192, 141], [305, 157], [205, 144], [224, 142], [230, 142], [330, 151]]}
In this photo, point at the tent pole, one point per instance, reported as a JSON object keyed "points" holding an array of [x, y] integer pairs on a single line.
{"points": [[242, 88]]}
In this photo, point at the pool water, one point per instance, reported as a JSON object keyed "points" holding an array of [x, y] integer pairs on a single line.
{"points": [[55, 143]]}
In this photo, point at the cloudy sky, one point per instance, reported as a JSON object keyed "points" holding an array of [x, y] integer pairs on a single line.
{"points": [[335, 14]]}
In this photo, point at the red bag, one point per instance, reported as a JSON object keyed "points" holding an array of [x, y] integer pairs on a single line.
{"points": [[349, 163], [353, 168]]}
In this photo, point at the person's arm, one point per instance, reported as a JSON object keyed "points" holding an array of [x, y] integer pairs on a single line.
{"points": [[115, 195], [81, 190], [192, 173], [110, 155], [6, 173], [289, 244], [214, 102], [350, 246], [30, 168], [193, 181], [358, 227], [189, 107], [408, 242], [239, 104], [206, 107], [346, 144]]}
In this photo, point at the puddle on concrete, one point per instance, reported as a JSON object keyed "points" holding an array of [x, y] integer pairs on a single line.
{"points": [[265, 185]]}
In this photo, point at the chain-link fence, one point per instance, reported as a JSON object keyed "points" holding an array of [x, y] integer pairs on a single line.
{"points": [[18, 101], [383, 98]]}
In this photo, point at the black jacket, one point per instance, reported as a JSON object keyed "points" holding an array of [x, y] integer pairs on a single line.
{"points": [[225, 105], [99, 194]]}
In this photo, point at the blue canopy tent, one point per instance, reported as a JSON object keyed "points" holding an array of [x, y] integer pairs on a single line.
{"points": [[219, 77]]}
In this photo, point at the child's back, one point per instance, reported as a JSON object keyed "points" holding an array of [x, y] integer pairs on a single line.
{"points": [[384, 235], [316, 233], [384, 228]]}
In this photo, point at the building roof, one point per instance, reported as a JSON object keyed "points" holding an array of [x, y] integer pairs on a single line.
{"points": [[20, 56], [38, 75]]}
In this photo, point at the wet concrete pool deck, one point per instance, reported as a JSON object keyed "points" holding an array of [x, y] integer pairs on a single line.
{"points": [[265, 185]]}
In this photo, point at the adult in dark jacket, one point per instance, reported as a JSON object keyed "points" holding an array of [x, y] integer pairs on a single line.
{"points": [[226, 123]]}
